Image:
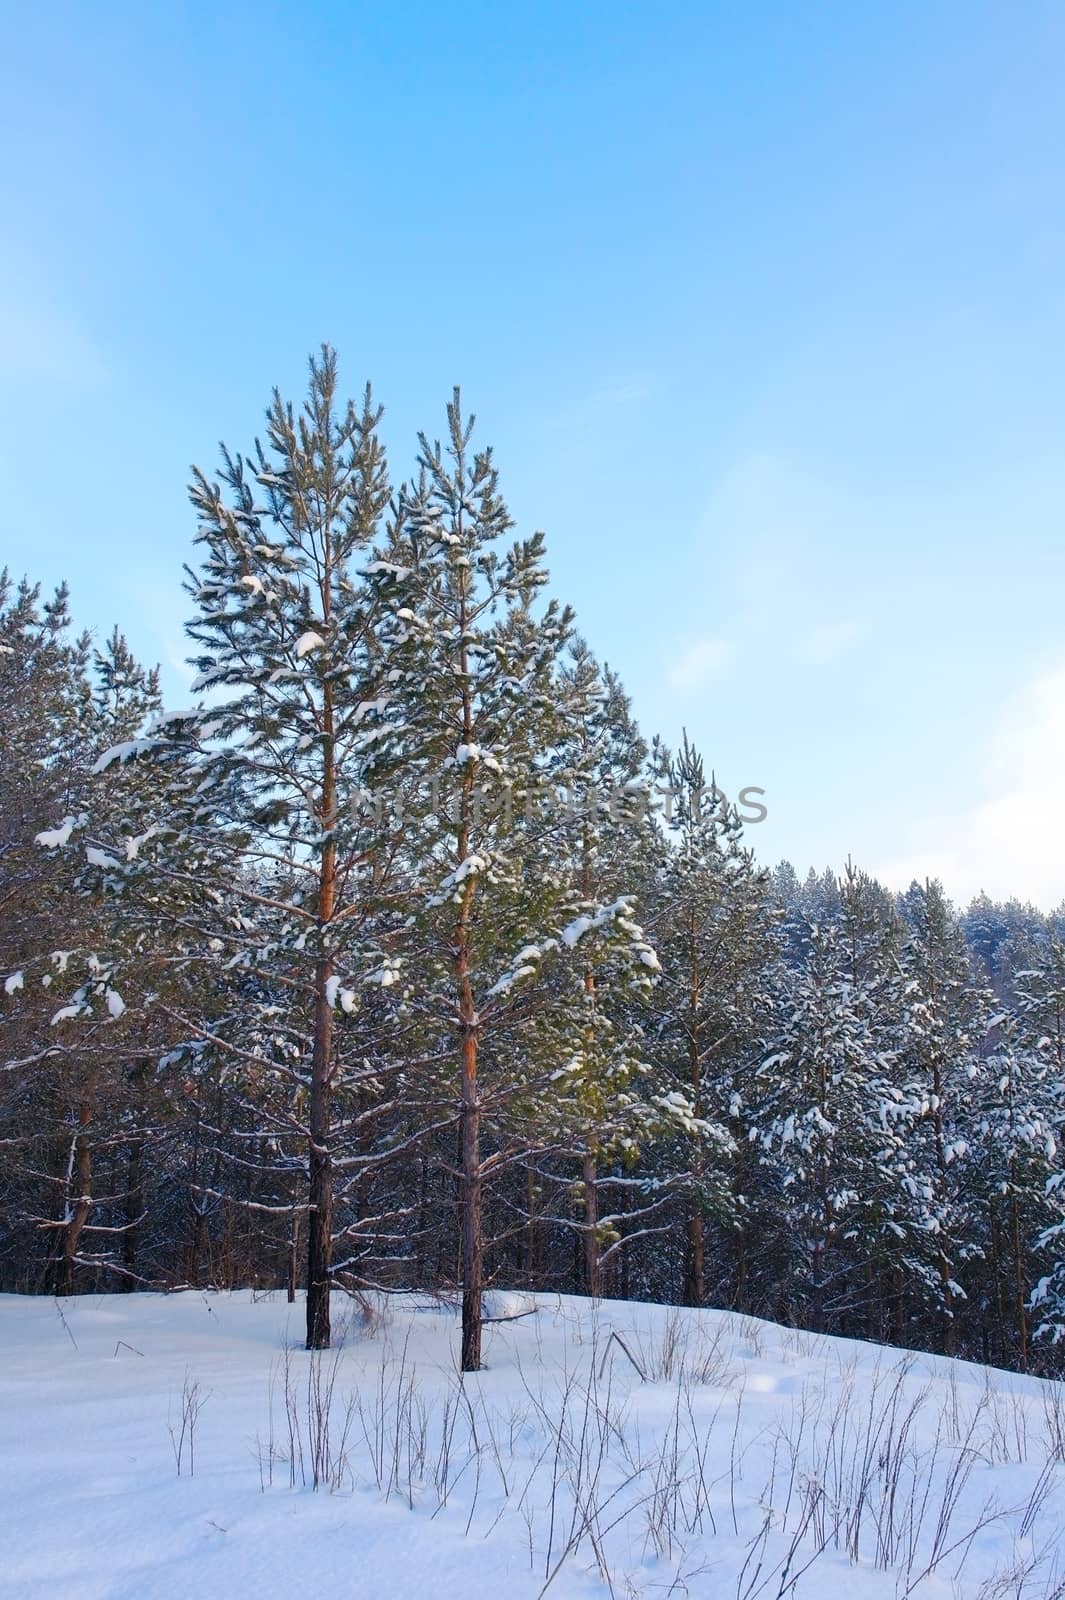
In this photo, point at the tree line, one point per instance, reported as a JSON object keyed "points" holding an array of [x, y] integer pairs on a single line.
{"points": [[401, 960]]}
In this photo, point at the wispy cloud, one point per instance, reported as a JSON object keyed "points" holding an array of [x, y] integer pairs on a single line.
{"points": [[764, 524], [39, 342], [1010, 841], [161, 639], [599, 406], [698, 663], [830, 640]]}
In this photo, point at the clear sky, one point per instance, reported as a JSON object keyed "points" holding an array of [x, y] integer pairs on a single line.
{"points": [[760, 303]]}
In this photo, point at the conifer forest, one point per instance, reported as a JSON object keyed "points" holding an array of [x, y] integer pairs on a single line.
{"points": [[402, 958]]}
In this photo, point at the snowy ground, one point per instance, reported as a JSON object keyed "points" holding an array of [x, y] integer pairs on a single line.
{"points": [[741, 1459]]}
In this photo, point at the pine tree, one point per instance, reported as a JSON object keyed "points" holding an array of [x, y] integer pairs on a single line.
{"points": [[827, 1117], [1014, 1148], [603, 1107], [45, 697], [711, 930], [501, 920], [68, 703], [268, 855], [1040, 1010], [943, 1023]]}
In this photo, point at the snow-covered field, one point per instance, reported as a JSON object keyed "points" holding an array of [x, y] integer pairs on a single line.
{"points": [[155, 1446]]}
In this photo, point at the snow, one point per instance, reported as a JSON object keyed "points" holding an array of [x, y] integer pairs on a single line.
{"points": [[387, 569], [607, 1449], [56, 838], [469, 868], [127, 751], [365, 707], [66, 1014], [133, 844], [389, 972], [99, 858], [13, 983], [574, 931], [307, 642], [163, 720]]}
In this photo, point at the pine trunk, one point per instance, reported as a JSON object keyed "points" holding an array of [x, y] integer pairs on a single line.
{"points": [[134, 1204], [592, 1276], [293, 1258], [320, 1196], [1019, 1297], [472, 1243], [79, 1194], [320, 1164], [470, 1113], [695, 1266], [530, 1228], [943, 1261]]}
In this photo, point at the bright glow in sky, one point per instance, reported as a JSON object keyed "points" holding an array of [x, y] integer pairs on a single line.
{"points": [[761, 305]]}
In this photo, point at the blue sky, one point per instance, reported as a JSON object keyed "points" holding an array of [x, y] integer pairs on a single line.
{"points": [[761, 305]]}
